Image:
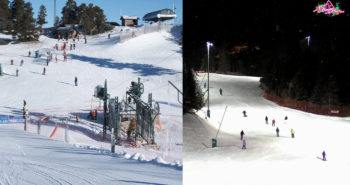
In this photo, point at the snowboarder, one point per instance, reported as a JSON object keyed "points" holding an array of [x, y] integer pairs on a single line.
{"points": [[324, 155], [292, 132], [244, 144], [22, 62], [29, 53], [242, 133], [76, 81], [44, 70], [273, 122], [266, 119], [11, 61], [17, 72], [278, 132], [220, 91], [244, 113]]}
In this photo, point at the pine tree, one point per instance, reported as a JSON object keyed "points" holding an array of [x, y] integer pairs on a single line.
{"points": [[193, 96], [4, 14], [57, 22], [41, 17], [17, 12], [23, 21], [69, 13]]}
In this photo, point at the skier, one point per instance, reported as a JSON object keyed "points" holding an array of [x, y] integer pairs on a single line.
{"points": [[285, 118], [220, 91], [244, 113], [59, 37], [109, 35], [74, 46], [29, 54], [277, 132], [324, 155], [44, 71], [266, 119], [24, 104], [65, 57], [56, 58], [76, 81], [71, 46], [78, 38], [242, 133], [17, 72], [11, 61], [205, 84], [77, 118], [22, 62], [292, 132], [85, 39], [273, 122], [244, 144], [47, 60]]}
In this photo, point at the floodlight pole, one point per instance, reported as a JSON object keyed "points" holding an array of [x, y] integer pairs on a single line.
{"points": [[208, 46]]}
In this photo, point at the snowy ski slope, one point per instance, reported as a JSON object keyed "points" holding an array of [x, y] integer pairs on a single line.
{"points": [[268, 159], [155, 57]]}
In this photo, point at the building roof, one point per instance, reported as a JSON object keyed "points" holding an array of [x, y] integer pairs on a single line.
{"points": [[67, 28], [128, 17], [160, 15]]}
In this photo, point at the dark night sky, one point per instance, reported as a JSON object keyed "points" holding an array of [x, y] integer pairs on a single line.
{"points": [[250, 22]]}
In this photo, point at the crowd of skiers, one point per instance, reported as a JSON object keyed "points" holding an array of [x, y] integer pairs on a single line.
{"points": [[273, 123], [49, 56]]}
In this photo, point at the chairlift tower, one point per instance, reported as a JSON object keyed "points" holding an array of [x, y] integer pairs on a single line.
{"points": [[54, 12]]}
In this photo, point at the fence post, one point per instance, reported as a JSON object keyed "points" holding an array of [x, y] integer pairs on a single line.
{"points": [[66, 133], [38, 127], [112, 141], [25, 122]]}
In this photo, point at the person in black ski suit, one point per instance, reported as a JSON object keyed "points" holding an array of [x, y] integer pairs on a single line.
{"points": [[242, 133], [220, 91], [278, 132], [266, 119], [76, 81], [244, 113]]}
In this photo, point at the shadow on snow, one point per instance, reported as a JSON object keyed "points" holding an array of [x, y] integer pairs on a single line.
{"points": [[141, 69]]}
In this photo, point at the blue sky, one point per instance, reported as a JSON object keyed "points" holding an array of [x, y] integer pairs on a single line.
{"points": [[112, 8]]}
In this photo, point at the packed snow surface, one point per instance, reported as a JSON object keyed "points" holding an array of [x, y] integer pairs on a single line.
{"points": [[155, 58], [268, 159]]}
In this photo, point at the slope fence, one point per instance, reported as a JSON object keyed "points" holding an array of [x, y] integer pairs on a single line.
{"points": [[147, 28]]}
